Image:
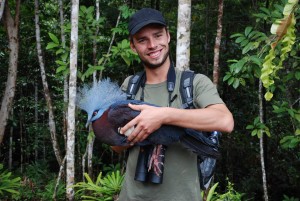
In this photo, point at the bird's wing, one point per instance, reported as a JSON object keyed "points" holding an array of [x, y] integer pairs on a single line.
{"points": [[199, 143], [120, 113]]}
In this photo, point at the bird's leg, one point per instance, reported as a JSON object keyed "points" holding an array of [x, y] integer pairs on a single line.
{"points": [[156, 161]]}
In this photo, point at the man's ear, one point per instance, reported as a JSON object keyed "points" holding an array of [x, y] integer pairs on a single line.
{"points": [[132, 46], [169, 36]]}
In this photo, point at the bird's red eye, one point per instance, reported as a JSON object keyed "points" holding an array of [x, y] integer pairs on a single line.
{"points": [[95, 113]]}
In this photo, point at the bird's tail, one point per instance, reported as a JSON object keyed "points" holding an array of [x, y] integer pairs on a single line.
{"points": [[200, 143]]}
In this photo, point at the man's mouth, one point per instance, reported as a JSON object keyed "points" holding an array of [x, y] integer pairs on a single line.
{"points": [[155, 54]]}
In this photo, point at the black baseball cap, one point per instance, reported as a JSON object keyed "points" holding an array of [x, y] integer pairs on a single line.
{"points": [[144, 17]]}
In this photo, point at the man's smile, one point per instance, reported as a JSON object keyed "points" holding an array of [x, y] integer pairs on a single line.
{"points": [[155, 54]]}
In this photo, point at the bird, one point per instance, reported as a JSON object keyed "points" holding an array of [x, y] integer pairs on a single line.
{"points": [[107, 108]]}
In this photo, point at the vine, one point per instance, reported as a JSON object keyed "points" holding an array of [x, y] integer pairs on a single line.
{"points": [[285, 34]]}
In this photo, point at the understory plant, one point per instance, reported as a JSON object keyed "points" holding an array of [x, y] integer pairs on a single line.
{"points": [[8, 184], [104, 188], [229, 195]]}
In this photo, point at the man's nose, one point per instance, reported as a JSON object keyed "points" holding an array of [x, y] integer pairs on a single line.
{"points": [[152, 43]]}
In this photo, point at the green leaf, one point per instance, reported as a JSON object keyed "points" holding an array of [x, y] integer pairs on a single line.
{"points": [[236, 35], [256, 120], [61, 68], [236, 83], [240, 39], [226, 77], [239, 65], [250, 127], [254, 132], [247, 48], [231, 80], [248, 30], [265, 10], [256, 60], [59, 51], [242, 81], [59, 62], [297, 75], [54, 38], [245, 42], [211, 191], [268, 96], [51, 45]]}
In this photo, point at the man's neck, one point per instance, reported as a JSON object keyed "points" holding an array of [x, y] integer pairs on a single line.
{"points": [[157, 75]]}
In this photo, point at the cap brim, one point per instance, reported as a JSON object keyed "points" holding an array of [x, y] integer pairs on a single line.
{"points": [[145, 23]]}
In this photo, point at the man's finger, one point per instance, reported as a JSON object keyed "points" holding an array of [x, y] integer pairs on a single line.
{"points": [[130, 124], [135, 107], [134, 135]]}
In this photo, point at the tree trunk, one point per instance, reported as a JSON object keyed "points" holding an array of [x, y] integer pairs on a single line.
{"points": [[61, 171], [36, 143], [11, 144], [216, 72], [90, 143], [157, 5], [206, 44], [111, 43], [90, 156], [261, 142], [12, 28], [72, 96], [52, 126], [2, 5], [183, 35], [95, 62], [66, 87], [21, 140]]}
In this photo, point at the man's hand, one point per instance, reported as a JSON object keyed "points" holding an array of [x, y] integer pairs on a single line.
{"points": [[149, 120]]}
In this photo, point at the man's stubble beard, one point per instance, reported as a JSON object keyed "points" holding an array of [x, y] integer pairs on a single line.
{"points": [[154, 66]]}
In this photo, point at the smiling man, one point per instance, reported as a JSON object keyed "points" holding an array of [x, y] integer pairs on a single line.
{"points": [[149, 38]]}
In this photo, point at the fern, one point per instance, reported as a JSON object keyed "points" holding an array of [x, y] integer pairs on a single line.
{"points": [[8, 186], [104, 188]]}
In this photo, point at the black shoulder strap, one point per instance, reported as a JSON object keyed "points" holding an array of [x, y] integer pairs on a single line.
{"points": [[134, 85], [186, 89]]}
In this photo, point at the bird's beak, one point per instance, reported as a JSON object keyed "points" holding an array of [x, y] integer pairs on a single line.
{"points": [[87, 123], [88, 120], [91, 118]]}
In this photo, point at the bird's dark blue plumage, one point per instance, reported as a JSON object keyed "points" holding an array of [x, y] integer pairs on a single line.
{"points": [[108, 111]]}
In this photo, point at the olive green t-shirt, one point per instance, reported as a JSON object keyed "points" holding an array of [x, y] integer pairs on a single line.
{"points": [[180, 180]]}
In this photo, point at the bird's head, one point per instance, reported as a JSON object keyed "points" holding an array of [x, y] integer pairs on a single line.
{"points": [[96, 98]]}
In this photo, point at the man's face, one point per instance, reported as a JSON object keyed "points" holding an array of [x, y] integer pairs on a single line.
{"points": [[151, 43]]}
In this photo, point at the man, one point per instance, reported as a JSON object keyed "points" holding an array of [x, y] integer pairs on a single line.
{"points": [[149, 38]]}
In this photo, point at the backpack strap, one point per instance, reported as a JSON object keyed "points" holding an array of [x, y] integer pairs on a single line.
{"points": [[186, 89], [134, 85], [186, 86]]}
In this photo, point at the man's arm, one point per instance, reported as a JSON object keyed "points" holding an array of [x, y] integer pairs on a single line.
{"points": [[213, 117]]}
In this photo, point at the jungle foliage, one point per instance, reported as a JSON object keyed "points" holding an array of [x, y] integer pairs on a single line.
{"points": [[260, 41]]}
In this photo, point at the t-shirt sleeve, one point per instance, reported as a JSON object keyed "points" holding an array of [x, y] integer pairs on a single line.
{"points": [[205, 92]]}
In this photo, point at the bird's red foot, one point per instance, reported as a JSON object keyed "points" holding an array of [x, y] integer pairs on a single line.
{"points": [[156, 160]]}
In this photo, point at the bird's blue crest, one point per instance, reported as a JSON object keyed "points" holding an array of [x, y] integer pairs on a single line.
{"points": [[98, 96]]}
